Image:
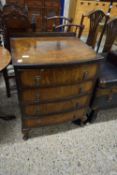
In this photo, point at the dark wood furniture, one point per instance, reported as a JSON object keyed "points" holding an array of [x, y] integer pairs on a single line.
{"points": [[7, 8], [14, 20], [39, 9], [95, 17], [5, 59], [105, 93], [55, 76], [55, 21]]}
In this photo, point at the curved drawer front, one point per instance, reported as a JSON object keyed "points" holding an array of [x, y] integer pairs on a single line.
{"points": [[58, 76], [55, 119], [52, 108], [45, 94]]}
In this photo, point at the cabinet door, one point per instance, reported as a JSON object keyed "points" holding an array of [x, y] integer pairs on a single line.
{"points": [[19, 2], [51, 3], [34, 4], [36, 14], [49, 12]]}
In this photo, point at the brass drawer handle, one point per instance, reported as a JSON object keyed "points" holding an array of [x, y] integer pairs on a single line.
{"points": [[37, 97], [37, 80], [37, 111], [85, 75], [80, 90], [77, 105]]}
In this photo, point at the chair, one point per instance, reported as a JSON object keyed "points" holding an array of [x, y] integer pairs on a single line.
{"points": [[54, 21], [95, 17], [105, 93], [13, 22], [78, 29]]}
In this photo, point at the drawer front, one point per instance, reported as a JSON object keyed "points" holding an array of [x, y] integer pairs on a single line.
{"points": [[55, 119], [55, 93], [105, 101], [106, 91], [58, 76], [40, 110], [106, 98]]}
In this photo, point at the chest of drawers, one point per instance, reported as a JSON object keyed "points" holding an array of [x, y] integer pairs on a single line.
{"points": [[55, 79]]}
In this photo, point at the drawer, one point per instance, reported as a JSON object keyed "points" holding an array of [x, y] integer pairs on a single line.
{"points": [[58, 107], [58, 76], [106, 91], [105, 101], [55, 93], [55, 119]]}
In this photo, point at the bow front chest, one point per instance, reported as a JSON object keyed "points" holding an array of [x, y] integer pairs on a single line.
{"points": [[55, 79]]}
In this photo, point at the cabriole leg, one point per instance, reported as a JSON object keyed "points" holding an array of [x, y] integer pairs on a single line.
{"points": [[25, 133]]}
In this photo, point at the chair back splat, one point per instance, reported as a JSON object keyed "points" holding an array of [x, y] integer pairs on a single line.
{"points": [[111, 34], [95, 18]]}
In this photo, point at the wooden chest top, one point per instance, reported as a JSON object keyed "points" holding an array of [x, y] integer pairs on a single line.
{"points": [[50, 50]]}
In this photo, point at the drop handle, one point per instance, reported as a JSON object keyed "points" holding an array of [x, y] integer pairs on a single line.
{"points": [[37, 80], [85, 75], [37, 111], [77, 105], [37, 97], [80, 90]]}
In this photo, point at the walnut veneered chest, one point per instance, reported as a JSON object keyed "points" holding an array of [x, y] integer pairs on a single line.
{"points": [[55, 78]]}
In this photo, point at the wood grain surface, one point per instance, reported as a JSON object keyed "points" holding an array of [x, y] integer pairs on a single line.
{"points": [[5, 58], [50, 50]]}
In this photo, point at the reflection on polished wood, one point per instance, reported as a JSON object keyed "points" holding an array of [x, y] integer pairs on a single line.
{"points": [[5, 58], [46, 50]]}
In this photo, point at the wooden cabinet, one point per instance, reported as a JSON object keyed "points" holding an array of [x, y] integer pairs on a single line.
{"points": [[55, 79], [39, 9]]}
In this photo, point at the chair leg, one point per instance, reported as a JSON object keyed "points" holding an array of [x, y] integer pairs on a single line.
{"points": [[5, 74]]}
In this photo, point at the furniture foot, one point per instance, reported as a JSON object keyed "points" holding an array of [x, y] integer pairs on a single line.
{"points": [[91, 117], [25, 134], [8, 117], [79, 122]]}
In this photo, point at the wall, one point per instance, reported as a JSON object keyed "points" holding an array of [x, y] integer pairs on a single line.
{"points": [[3, 2], [66, 8], [72, 8]]}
